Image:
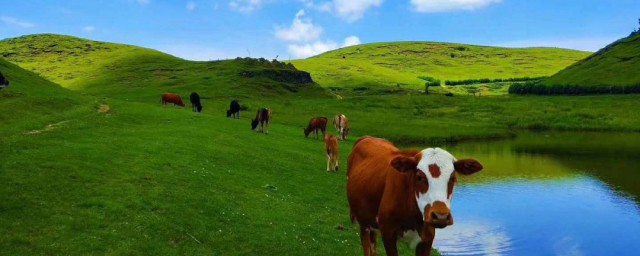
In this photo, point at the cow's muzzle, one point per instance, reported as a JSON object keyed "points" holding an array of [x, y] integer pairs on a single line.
{"points": [[438, 215]]}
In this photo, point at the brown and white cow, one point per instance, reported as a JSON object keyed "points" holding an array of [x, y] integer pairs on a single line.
{"points": [[402, 193], [331, 148], [263, 117], [341, 123], [171, 98], [316, 124]]}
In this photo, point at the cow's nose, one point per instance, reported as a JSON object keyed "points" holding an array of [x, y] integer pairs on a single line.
{"points": [[439, 216]]}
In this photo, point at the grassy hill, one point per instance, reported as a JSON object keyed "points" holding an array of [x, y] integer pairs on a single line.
{"points": [[390, 64], [32, 101], [132, 72], [616, 64]]}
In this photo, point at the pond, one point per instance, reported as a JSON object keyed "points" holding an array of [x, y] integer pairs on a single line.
{"points": [[559, 193]]}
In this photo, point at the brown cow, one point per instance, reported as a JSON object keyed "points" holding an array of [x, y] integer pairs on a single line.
{"points": [[171, 98], [341, 123], [331, 147], [315, 124], [263, 116], [403, 193]]}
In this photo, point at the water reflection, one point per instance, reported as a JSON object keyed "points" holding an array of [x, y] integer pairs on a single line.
{"points": [[548, 194]]}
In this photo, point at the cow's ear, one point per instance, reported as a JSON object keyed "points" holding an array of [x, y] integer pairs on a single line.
{"points": [[404, 163], [467, 166]]}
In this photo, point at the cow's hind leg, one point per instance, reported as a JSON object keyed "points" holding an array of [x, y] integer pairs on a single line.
{"points": [[328, 160], [365, 239]]}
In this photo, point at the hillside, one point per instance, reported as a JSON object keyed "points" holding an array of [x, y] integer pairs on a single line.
{"points": [[618, 64], [33, 101], [128, 71], [390, 64]]}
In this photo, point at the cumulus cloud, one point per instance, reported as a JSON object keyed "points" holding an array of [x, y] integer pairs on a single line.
{"points": [[351, 41], [88, 29], [300, 51], [16, 22], [450, 5], [348, 10], [301, 30], [245, 6], [191, 6]]}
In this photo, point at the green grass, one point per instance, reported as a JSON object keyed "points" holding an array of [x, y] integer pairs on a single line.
{"points": [[152, 179], [389, 64], [618, 64]]}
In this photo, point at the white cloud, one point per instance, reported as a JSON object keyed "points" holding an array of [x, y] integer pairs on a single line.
{"points": [[348, 10], [143, 1], [16, 22], [301, 30], [583, 44], [245, 6], [351, 41], [353, 10], [450, 5], [300, 51], [88, 29], [191, 6]]}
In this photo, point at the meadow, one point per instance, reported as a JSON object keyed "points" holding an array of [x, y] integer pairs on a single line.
{"points": [[142, 178]]}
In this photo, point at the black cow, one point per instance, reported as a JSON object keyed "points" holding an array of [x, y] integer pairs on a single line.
{"points": [[3, 81], [195, 102], [234, 109]]}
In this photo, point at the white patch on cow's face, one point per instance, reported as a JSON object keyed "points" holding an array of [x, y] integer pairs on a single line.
{"points": [[437, 186]]}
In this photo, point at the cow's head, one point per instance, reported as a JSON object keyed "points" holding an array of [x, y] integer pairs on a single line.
{"points": [[307, 131], [254, 124], [228, 113], [434, 176]]}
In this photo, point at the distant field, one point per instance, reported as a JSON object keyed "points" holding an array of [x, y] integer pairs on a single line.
{"points": [[398, 65]]}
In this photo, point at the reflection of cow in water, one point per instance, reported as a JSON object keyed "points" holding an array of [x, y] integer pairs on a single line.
{"points": [[3, 82], [315, 124], [172, 98], [234, 109], [196, 106], [263, 116]]}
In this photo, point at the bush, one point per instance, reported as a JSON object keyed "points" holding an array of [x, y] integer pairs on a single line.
{"points": [[565, 89], [487, 80]]}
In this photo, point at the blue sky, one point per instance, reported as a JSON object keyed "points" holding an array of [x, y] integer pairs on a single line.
{"points": [[220, 29]]}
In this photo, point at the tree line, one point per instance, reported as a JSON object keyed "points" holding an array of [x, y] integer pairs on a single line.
{"points": [[542, 89], [487, 80]]}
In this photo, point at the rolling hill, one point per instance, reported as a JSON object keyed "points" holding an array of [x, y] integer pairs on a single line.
{"points": [[618, 64], [125, 71], [401, 63], [32, 101]]}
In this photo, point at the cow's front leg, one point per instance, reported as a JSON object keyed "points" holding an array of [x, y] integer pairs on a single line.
{"points": [[390, 241]]}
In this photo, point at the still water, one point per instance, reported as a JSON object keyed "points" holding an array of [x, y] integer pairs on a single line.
{"points": [[548, 194]]}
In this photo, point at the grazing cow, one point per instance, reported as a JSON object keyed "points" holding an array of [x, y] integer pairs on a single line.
{"points": [[3, 82], [331, 147], [315, 124], [196, 106], [234, 109], [341, 123], [402, 193], [171, 98], [262, 117]]}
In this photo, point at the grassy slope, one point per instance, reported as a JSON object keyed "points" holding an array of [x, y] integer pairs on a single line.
{"points": [[616, 64], [387, 64], [134, 73], [32, 101]]}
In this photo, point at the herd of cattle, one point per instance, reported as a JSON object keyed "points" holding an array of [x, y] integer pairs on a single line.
{"points": [[399, 194]]}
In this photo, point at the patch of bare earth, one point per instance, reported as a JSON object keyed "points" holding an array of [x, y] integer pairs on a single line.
{"points": [[48, 128]]}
